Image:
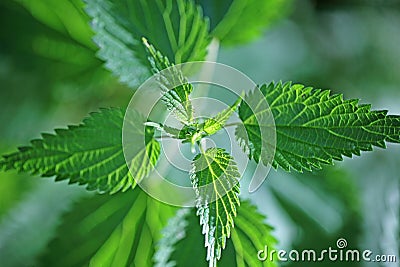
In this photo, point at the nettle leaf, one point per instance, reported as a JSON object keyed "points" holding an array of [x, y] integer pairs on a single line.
{"points": [[213, 125], [314, 127], [177, 27], [90, 153], [216, 203], [246, 20], [104, 230], [249, 235], [176, 98]]}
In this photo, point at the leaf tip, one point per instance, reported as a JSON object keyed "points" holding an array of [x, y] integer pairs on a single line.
{"points": [[145, 42]]}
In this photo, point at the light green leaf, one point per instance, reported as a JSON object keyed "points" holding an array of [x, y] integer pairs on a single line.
{"points": [[215, 180], [176, 27], [64, 16], [314, 127], [90, 153], [54, 43], [183, 232], [13, 187], [103, 230], [213, 125], [176, 98], [246, 19], [195, 131]]}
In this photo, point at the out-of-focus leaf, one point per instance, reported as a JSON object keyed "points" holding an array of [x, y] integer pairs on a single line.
{"points": [[64, 16], [53, 56], [215, 10], [103, 230], [246, 19], [176, 27], [31, 223], [183, 234], [324, 206], [12, 189]]}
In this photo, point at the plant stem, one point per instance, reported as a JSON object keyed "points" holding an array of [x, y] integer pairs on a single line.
{"points": [[200, 145]]}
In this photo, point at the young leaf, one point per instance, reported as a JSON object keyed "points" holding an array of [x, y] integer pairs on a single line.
{"points": [[176, 98], [195, 131], [177, 27], [90, 153], [213, 125], [183, 232], [314, 127], [103, 230], [215, 180]]}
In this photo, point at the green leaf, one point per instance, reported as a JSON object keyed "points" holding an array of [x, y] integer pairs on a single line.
{"points": [[176, 27], [323, 205], [176, 98], [195, 131], [213, 125], [245, 20], [64, 16], [13, 188], [56, 48], [90, 153], [249, 235], [215, 10], [175, 133], [314, 127], [215, 180], [103, 230]]}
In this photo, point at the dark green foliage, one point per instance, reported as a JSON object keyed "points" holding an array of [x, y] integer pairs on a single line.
{"points": [[177, 27], [90, 153], [104, 230], [183, 233], [245, 20], [314, 127]]}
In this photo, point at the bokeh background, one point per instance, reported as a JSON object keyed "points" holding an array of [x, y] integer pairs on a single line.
{"points": [[50, 77]]}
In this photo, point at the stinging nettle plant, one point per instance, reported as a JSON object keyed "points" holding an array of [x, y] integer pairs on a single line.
{"points": [[138, 38]]}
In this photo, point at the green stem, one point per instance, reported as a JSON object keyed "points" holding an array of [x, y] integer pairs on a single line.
{"points": [[202, 151]]}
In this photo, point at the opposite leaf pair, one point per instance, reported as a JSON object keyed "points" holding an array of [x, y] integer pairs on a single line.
{"points": [[312, 127]]}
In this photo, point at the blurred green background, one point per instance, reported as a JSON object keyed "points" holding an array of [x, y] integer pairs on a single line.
{"points": [[50, 77]]}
